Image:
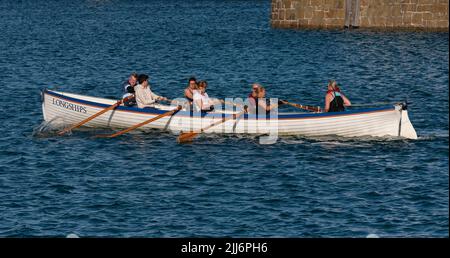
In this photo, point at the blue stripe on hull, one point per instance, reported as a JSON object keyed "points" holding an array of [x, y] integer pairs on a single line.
{"points": [[246, 116]]}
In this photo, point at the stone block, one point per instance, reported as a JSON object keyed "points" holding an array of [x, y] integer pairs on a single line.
{"points": [[362, 12], [283, 15], [389, 22], [319, 14], [427, 16], [275, 24], [442, 24], [364, 22], [398, 21], [293, 24], [441, 8], [417, 18], [340, 14], [317, 21], [309, 13], [316, 2], [290, 14], [407, 18], [430, 24], [302, 22], [396, 11], [300, 12], [332, 22], [385, 11], [287, 4], [424, 8], [379, 21], [412, 8]]}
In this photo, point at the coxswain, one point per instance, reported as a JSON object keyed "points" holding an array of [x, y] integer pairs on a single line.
{"points": [[335, 101]]}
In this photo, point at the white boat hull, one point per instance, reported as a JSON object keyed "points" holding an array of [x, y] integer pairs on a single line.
{"points": [[67, 108]]}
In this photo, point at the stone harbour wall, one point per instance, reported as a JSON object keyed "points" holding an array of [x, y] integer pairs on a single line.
{"points": [[378, 14]]}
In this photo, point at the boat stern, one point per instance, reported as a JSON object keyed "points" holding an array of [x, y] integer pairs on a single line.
{"points": [[406, 128]]}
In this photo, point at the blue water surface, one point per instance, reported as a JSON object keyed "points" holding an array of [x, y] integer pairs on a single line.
{"points": [[144, 184]]}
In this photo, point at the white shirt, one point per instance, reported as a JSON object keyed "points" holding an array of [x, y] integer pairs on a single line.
{"points": [[204, 98], [144, 96]]}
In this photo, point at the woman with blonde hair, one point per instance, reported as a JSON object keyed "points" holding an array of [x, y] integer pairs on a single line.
{"points": [[201, 100], [261, 102], [335, 101]]}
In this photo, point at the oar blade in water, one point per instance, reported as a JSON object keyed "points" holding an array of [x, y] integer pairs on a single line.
{"points": [[186, 137]]}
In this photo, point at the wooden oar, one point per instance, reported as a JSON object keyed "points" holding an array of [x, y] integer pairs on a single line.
{"points": [[309, 108], [141, 124], [189, 137], [95, 115]]}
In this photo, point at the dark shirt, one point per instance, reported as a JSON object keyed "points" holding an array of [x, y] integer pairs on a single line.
{"points": [[127, 87], [128, 90], [192, 92], [337, 104]]}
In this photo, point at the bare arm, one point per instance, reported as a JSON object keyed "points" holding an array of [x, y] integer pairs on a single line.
{"points": [[272, 106], [346, 101], [155, 96], [188, 94], [328, 99]]}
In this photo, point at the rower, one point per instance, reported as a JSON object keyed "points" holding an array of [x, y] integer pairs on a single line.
{"points": [[189, 91], [261, 104], [335, 101], [258, 103], [128, 87], [252, 98], [202, 102], [144, 96]]}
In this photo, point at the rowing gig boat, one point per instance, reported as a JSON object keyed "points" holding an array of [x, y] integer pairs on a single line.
{"points": [[68, 108]]}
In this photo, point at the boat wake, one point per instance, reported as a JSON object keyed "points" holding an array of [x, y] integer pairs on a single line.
{"points": [[49, 129]]}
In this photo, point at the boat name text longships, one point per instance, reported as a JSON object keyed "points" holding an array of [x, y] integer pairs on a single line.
{"points": [[68, 105]]}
